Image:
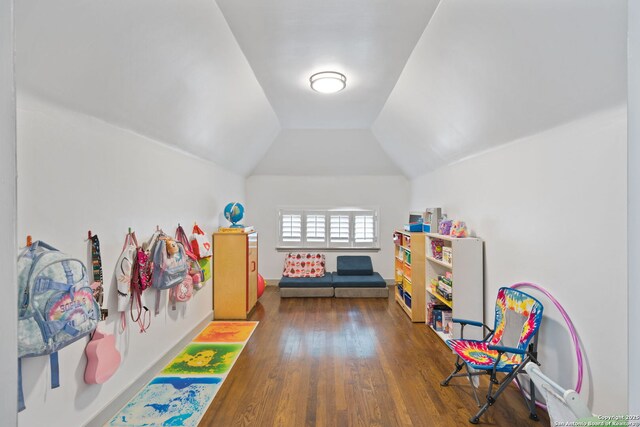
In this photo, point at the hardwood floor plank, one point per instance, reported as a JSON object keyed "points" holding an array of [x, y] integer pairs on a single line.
{"points": [[348, 362]]}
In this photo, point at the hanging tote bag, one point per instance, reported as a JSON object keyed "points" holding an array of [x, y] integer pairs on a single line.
{"points": [[124, 269], [103, 357], [200, 245], [203, 249]]}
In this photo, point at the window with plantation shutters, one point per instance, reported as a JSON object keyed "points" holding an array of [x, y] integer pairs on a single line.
{"points": [[339, 228], [291, 228], [364, 229], [315, 228], [328, 228]]}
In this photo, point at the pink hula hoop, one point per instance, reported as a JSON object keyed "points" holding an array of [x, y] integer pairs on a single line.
{"points": [[572, 330]]}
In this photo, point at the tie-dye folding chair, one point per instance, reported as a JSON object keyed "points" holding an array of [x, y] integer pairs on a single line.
{"points": [[507, 348]]}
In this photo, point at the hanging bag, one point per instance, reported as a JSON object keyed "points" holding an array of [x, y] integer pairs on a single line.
{"points": [[200, 245], [124, 269], [170, 266], [139, 312], [103, 357], [203, 249], [184, 291], [55, 306]]}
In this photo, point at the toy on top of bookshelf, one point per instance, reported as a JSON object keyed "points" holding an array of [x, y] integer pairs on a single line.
{"points": [[459, 229], [432, 218], [416, 222], [234, 212], [444, 226], [426, 221]]}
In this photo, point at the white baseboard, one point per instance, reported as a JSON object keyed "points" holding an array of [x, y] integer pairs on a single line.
{"points": [[119, 401]]}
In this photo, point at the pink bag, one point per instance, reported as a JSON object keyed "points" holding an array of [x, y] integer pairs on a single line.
{"points": [[103, 358]]}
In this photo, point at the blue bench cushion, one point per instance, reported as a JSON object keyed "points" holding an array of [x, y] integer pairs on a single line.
{"points": [[374, 280], [306, 282], [355, 265]]}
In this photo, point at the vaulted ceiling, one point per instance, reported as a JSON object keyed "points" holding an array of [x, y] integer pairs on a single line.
{"points": [[428, 83], [286, 41]]}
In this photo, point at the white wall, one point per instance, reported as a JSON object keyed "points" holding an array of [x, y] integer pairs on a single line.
{"points": [[634, 204], [9, 314], [266, 193], [326, 152], [169, 70], [77, 173], [485, 73], [551, 209]]}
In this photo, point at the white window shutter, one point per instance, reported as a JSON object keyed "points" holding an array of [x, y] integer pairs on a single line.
{"points": [[339, 228], [364, 228], [291, 231], [315, 228]]}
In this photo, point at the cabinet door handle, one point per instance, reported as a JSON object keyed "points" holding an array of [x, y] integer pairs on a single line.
{"points": [[253, 266]]}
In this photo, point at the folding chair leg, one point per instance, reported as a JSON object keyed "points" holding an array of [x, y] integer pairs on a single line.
{"points": [[458, 368], [473, 387], [491, 398], [532, 402]]}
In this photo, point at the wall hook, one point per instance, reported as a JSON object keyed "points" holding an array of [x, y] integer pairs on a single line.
{"points": [[89, 235], [29, 240]]}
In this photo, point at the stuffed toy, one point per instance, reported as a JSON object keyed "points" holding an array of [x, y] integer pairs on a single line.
{"points": [[459, 229], [444, 227], [172, 247]]}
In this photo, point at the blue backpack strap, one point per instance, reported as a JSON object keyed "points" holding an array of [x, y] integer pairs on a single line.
{"points": [[52, 327], [44, 284], [55, 370], [21, 406], [158, 301]]}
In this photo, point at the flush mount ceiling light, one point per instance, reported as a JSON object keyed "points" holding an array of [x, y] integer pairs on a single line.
{"points": [[328, 82]]}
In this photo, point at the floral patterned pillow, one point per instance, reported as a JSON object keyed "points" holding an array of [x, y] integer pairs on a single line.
{"points": [[304, 265]]}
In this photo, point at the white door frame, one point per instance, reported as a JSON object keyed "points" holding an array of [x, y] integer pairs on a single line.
{"points": [[633, 200], [8, 209]]}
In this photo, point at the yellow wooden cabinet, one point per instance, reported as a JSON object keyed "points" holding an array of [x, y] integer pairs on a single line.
{"points": [[235, 274]]}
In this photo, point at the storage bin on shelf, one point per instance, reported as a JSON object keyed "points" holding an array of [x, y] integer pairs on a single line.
{"points": [[407, 286], [407, 270], [397, 239], [399, 270], [407, 299]]}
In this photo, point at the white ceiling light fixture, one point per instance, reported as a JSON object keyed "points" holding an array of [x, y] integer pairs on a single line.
{"points": [[328, 82]]}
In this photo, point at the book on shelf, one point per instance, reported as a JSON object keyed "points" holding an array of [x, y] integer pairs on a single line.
{"points": [[447, 322], [437, 320], [435, 315], [247, 229]]}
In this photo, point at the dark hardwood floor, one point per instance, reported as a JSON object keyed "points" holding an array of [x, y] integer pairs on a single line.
{"points": [[348, 362]]}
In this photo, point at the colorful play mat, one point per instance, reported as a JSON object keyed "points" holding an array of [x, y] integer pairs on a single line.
{"points": [[181, 393]]}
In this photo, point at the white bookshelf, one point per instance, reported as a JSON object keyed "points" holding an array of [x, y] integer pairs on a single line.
{"points": [[468, 281]]}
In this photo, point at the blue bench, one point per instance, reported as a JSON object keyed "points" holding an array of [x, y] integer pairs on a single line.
{"points": [[354, 278]]}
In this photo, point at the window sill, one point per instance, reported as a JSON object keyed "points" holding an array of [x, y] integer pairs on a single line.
{"points": [[323, 249]]}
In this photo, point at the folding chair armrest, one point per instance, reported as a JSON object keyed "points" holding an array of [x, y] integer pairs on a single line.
{"points": [[468, 322], [503, 349], [465, 322]]}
